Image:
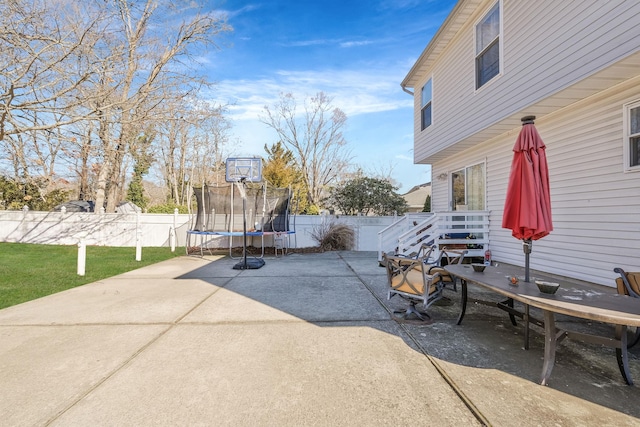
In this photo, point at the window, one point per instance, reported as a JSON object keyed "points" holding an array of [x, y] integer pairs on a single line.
{"points": [[632, 136], [468, 188], [488, 46], [425, 105]]}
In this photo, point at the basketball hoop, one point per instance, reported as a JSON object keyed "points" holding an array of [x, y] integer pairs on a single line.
{"points": [[243, 169]]}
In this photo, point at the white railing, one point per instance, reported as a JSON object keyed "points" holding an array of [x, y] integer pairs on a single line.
{"points": [[455, 230], [464, 229], [388, 236], [425, 232]]}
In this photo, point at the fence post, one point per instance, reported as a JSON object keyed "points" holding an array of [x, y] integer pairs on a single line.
{"points": [[138, 238], [82, 257], [172, 238], [173, 230]]}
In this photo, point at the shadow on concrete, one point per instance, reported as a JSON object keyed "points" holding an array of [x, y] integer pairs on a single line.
{"points": [[483, 359]]}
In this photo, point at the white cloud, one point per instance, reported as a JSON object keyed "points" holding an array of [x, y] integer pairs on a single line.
{"points": [[356, 43], [313, 42], [325, 42], [233, 13], [403, 157], [354, 92]]}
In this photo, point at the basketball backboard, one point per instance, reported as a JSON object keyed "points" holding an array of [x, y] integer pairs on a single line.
{"points": [[247, 169]]}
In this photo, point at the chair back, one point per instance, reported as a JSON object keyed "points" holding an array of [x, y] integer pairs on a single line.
{"points": [[425, 252], [451, 256], [628, 283]]}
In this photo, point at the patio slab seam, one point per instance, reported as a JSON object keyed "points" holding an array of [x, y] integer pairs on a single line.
{"points": [[113, 372], [477, 413]]}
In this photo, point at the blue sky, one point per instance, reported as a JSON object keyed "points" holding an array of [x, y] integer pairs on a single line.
{"points": [[355, 51]]}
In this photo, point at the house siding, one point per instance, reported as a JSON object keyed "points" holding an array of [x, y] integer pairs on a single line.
{"points": [[595, 204], [546, 49]]}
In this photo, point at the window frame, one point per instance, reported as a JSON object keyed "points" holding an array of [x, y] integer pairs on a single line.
{"points": [[497, 40], [627, 135], [424, 106], [465, 169]]}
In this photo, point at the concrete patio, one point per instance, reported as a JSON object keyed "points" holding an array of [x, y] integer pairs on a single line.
{"points": [[308, 339]]}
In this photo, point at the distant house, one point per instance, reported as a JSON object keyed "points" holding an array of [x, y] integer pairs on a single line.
{"points": [[416, 197], [576, 67]]}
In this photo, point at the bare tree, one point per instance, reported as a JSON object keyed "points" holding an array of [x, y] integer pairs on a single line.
{"points": [[314, 136], [42, 73], [90, 82], [193, 147], [148, 73]]}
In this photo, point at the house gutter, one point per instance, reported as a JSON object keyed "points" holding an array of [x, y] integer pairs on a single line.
{"points": [[404, 88]]}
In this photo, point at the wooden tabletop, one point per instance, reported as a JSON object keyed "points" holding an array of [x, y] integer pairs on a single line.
{"points": [[571, 299]]}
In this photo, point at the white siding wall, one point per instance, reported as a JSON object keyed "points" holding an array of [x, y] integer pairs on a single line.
{"points": [[546, 47], [595, 205]]}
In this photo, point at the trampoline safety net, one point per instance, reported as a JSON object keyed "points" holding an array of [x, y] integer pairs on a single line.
{"points": [[219, 208]]}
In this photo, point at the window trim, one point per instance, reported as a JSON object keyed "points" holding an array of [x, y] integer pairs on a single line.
{"points": [[428, 104], [465, 168], [500, 41], [626, 123]]}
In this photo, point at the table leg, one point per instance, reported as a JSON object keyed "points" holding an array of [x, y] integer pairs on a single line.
{"points": [[526, 326], [509, 302], [549, 346], [622, 355], [463, 300]]}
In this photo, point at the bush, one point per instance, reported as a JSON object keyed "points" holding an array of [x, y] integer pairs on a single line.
{"points": [[364, 196], [14, 195], [167, 208], [312, 210], [333, 236]]}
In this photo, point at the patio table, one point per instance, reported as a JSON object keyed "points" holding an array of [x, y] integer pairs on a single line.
{"points": [[571, 300]]}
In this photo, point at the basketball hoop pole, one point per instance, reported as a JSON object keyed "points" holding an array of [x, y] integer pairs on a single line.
{"points": [[244, 223], [256, 262], [241, 170]]}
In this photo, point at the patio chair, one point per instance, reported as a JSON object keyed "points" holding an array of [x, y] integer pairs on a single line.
{"points": [[448, 257], [629, 284], [408, 278]]}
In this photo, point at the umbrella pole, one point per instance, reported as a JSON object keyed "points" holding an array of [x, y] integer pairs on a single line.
{"points": [[526, 247]]}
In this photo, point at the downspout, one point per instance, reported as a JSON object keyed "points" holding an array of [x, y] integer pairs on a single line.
{"points": [[406, 90]]}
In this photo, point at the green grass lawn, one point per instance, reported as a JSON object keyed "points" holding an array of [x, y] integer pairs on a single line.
{"points": [[30, 271]]}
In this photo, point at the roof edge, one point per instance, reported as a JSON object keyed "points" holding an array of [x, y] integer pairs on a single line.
{"points": [[427, 51]]}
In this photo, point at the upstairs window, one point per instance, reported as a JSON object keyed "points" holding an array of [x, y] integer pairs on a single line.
{"points": [[632, 136], [488, 46], [425, 105]]}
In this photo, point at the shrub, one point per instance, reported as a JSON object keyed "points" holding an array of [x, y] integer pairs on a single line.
{"points": [[167, 208], [312, 210], [333, 236]]}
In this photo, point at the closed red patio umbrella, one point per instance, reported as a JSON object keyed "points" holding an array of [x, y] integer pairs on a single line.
{"points": [[527, 208]]}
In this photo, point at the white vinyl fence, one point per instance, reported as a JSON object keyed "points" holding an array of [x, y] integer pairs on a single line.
{"points": [[110, 229]]}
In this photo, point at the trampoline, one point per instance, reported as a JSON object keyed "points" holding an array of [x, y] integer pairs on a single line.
{"points": [[219, 215]]}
